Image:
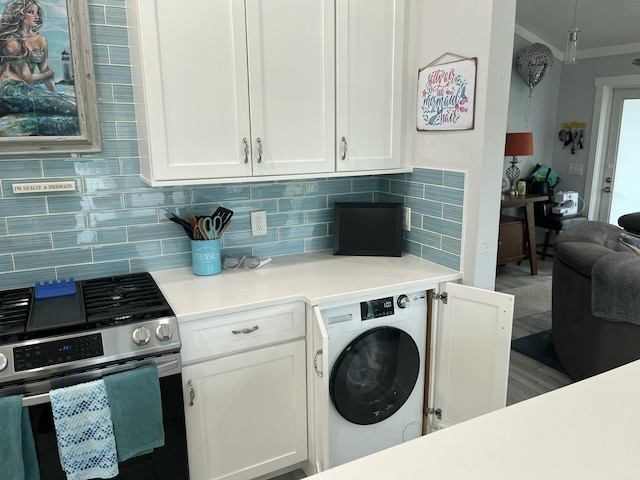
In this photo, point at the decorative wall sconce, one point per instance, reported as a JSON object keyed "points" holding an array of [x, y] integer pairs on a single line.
{"points": [[572, 133]]}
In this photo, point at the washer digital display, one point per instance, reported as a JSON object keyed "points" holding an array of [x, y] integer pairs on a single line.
{"points": [[381, 307]]}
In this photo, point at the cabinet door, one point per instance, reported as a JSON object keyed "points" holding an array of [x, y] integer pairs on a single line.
{"points": [[369, 58], [473, 345], [318, 371], [248, 416], [291, 77], [194, 86]]}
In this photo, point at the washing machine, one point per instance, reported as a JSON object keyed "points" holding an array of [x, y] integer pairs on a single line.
{"points": [[376, 361]]}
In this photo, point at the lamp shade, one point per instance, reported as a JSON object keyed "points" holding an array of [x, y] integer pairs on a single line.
{"points": [[518, 144]]}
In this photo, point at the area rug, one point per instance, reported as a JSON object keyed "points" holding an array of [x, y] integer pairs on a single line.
{"points": [[531, 299], [539, 346]]}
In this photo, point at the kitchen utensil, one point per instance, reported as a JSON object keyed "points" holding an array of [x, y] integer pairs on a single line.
{"points": [[193, 221], [224, 227], [210, 228], [225, 215], [181, 221]]}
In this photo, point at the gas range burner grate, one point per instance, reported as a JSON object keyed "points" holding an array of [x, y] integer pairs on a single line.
{"points": [[15, 306], [123, 299]]}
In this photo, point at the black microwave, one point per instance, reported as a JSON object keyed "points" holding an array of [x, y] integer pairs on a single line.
{"points": [[362, 228]]}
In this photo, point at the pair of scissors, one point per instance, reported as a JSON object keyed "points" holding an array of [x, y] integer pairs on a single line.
{"points": [[210, 227]]}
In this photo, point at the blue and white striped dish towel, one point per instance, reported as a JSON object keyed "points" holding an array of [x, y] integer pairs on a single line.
{"points": [[86, 442]]}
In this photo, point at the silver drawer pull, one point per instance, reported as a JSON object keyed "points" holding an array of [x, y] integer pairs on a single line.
{"points": [[244, 331]]}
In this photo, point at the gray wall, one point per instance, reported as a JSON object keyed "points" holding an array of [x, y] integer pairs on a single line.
{"points": [[576, 102]]}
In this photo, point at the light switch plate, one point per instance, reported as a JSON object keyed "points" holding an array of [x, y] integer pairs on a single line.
{"points": [[406, 218], [575, 169]]}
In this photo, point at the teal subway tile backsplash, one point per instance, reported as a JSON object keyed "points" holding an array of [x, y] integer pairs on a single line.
{"points": [[14, 207], [453, 179], [114, 223], [103, 236], [20, 169], [116, 16], [6, 263], [84, 203], [44, 224], [127, 251]]}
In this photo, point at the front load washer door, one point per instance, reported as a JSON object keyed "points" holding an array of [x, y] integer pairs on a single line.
{"points": [[374, 375]]}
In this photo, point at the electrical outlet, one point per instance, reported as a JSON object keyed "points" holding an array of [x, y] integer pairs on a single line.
{"points": [[406, 218], [258, 223]]}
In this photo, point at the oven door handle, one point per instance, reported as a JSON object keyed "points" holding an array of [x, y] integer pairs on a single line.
{"points": [[41, 398]]}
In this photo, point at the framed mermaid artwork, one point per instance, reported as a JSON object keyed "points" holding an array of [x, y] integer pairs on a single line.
{"points": [[48, 101]]}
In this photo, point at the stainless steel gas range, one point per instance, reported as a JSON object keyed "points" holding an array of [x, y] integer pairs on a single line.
{"points": [[59, 334]]}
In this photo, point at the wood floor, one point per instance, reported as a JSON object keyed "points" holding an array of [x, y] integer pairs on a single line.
{"points": [[527, 377]]}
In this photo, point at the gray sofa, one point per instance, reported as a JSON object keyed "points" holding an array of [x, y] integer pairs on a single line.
{"points": [[588, 343]]}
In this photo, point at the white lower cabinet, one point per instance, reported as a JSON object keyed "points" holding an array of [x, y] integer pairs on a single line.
{"points": [[245, 411]]}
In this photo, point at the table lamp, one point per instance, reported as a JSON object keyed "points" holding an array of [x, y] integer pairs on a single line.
{"points": [[517, 144]]}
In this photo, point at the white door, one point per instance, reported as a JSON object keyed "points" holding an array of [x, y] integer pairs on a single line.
{"points": [[291, 77], [369, 82], [318, 372], [472, 350], [195, 88], [619, 193], [249, 415]]}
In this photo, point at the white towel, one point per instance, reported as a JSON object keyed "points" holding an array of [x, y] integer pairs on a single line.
{"points": [[86, 443]]}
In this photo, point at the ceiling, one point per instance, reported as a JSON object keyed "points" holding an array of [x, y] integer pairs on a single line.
{"points": [[606, 27]]}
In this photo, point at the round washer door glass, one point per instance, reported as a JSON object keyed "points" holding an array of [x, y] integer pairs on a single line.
{"points": [[374, 375]]}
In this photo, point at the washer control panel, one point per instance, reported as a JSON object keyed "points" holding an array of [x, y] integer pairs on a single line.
{"points": [[386, 306], [380, 307]]}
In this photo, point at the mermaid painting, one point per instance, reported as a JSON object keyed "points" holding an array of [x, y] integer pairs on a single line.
{"points": [[30, 103]]}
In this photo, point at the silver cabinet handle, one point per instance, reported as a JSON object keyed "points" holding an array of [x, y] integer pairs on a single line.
{"points": [[192, 393], [246, 150], [244, 331], [344, 148], [315, 363], [259, 140]]}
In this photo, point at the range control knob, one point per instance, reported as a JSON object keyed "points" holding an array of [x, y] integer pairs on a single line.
{"points": [[3, 361], [164, 331], [141, 336], [403, 301]]}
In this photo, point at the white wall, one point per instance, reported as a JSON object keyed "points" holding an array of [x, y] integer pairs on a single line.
{"points": [[482, 29]]}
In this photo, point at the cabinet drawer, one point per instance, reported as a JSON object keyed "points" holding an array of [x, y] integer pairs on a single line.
{"points": [[236, 332]]}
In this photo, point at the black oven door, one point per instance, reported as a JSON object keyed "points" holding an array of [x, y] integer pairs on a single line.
{"points": [[165, 463]]}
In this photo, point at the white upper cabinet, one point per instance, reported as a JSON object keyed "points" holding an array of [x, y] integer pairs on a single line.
{"points": [[246, 89], [291, 85], [369, 75], [263, 88]]}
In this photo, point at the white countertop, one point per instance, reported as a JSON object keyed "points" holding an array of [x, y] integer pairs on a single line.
{"points": [[317, 278], [587, 430]]}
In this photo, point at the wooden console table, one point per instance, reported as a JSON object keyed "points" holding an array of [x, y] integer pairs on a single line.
{"points": [[526, 201]]}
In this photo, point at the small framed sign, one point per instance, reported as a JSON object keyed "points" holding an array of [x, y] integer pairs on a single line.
{"points": [[446, 96]]}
